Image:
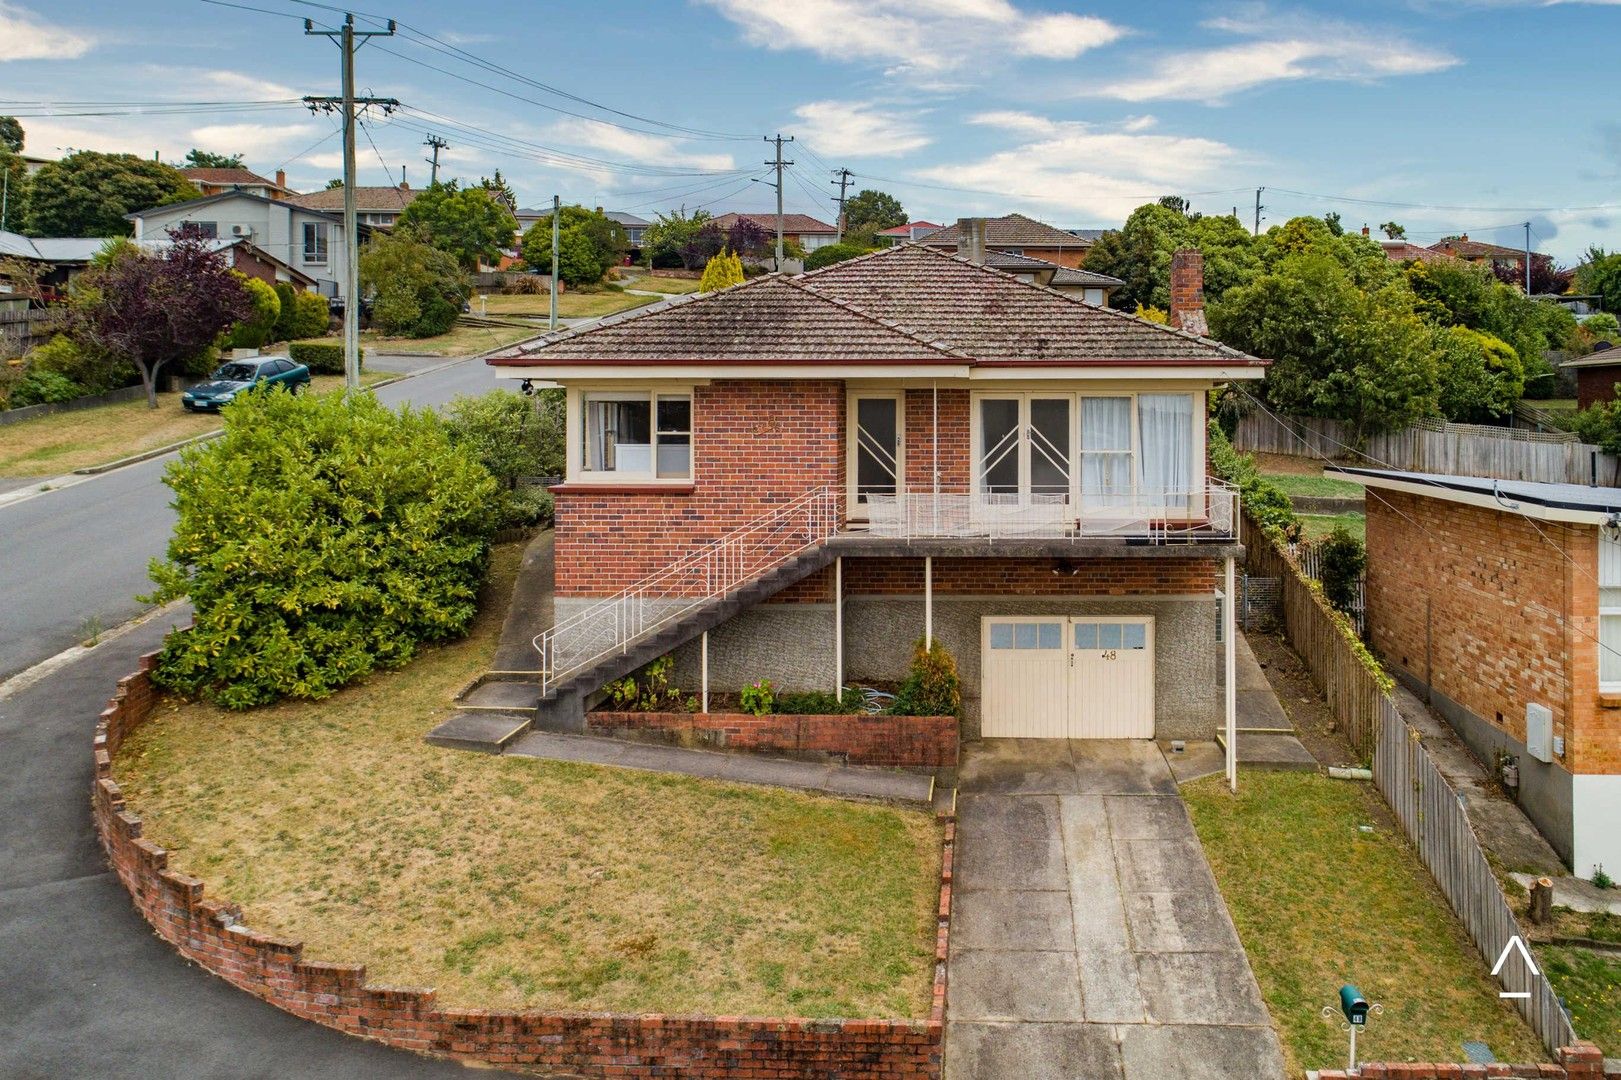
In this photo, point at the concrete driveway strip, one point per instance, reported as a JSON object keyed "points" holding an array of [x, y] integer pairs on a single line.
{"points": [[1146, 980]]}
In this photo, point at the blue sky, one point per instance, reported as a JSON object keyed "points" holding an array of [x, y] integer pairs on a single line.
{"points": [[1474, 114]]}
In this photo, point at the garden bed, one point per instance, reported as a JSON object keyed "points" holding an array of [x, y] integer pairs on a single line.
{"points": [[927, 742], [620, 919]]}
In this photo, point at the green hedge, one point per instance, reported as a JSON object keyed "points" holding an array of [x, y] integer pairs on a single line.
{"points": [[322, 357], [1261, 498]]}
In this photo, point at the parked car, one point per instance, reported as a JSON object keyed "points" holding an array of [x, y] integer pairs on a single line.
{"points": [[238, 376]]}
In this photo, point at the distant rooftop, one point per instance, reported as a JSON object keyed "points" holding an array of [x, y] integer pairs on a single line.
{"points": [[1011, 230], [55, 249], [367, 199]]}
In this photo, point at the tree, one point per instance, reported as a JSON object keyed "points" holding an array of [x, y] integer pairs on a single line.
{"points": [[1454, 293], [1393, 231], [303, 314], [88, 193], [872, 210], [516, 438], [1546, 278], [589, 243], [500, 190], [1343, 561], [418, 289], [204, 159], [721, 272], [15, 173], [1139, 253], [1600, 275], [470, 223], [154, 309], [1481, 376], [257, 328], [335, 182], [828, 254], [666, 240], [11, 134], [320, 538]]}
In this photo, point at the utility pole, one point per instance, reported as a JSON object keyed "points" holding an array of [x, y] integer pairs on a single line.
{"points": [[1258, 209], [1528, 258], [843, 181], [5, 197], [351, 228], [557, 232], [438, 144], [778, 164]]}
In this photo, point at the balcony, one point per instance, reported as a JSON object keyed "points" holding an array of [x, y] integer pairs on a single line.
{"points": [[1206, 513]]}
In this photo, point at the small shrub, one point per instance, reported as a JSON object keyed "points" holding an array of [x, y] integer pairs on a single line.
{"points": [[757, 699], [721, 272], [819, 703], [44, 388], [253, 331], [93, 369], [322, 357], [303, 314], [515, 437], [647, 691], [1601, 879], [438, 316], [932, 687], [828, 254], [1343, 561]]}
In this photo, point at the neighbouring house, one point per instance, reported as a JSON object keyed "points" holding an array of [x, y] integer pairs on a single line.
{"points": [[1596, 374], [811, 233], [1090, 286], [635, 227], [376, 206], [1579, 305], [61, 257], [1499, 602], [1016, 234], [901, 234], [798, 477], [217, 181], [308, 243], [32, 163], [1491, 256], [1403, 250], [244, 256]]}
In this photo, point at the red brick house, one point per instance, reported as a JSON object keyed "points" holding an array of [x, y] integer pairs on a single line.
{"points": [[798, 477], [1014, 234], [1501, 602], [1596, 374]]}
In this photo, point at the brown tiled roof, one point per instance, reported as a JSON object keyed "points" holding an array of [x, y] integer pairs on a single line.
{"points": [[366, 199], [791, 223], [242, 177], [1011, 230], [768, 319], [906, 304], [1062, 275], [1465, 248]]}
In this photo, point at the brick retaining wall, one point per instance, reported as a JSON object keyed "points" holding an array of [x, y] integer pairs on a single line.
{"points": [[578, 1044], [893, 741], [1580, 1062]]}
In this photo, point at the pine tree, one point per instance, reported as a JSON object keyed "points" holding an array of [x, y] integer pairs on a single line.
{"points": [[721, 272]]}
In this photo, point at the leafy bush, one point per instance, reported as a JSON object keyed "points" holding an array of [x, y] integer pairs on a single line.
{"points": [[1600, 423], [303, 314], [820, 703], [757, 699], [932, 687], [722, 271], [1261, 498], [514, 437], [94, 370], [649, 692], [321, 537], [828, 254], [1343, 561], [324, 357], [419, 289], [257, 328], [43, 388]]}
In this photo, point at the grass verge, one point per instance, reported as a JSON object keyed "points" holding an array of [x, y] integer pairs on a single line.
{"points": [[1589, 982], [1317, 486], [570, 305], [655, 283], [514, 883], [64, 441], [1318, 903], [460, 340]]}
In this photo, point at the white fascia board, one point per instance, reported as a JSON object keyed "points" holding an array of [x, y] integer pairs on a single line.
{"points": [[1484, 501], [642, 373], [1127, 372]]}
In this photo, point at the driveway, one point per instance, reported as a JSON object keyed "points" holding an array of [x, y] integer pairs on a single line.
{"points": [[1088, 938]]}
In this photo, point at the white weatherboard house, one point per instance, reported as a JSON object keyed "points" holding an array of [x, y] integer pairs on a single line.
{"points": [[308, 241]]}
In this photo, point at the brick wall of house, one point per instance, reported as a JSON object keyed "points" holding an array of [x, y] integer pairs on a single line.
{"points": [[1034, 577], [1595, 384], [588, 1046], [756, 444], [1512, 611], [888, 741], [954, 452]]}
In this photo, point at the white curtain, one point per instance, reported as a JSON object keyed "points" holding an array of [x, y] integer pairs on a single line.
{"points": [[1165, 462], [1105, 451]]}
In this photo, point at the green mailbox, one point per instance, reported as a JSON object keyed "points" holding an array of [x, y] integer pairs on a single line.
{"points": [[1354, 1005]]}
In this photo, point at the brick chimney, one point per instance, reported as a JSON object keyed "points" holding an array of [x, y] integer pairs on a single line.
{"points": [[1187, 292], [971, 239], [1364, 230], [281, 178]]}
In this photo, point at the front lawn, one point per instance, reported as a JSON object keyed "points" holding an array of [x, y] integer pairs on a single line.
{"points": [[61, 442], [570, 305], [1315, 485], [1318, 903], [657, 283], [463, 339], [1589, 983], [508, 882], [1317, 526]]}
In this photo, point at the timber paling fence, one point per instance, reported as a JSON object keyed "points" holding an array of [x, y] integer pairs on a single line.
{"points": [[1436, 446], [1405, 774]]}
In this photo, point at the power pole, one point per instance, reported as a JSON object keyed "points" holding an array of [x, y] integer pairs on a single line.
{"points": [[351, 228], [779, 163], [557, 232], [843, 181], [1528, 258], [1258, 209], [438, 144]]}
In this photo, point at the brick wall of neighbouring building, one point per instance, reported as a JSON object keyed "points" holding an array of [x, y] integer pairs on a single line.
{"points": [[1583, 1061], [756, 445], [589, 1046], [1595, 384]]}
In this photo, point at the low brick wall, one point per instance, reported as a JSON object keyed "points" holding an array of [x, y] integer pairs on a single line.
{"points": [[859, 739], [575, 1044], [1580, 1062]]}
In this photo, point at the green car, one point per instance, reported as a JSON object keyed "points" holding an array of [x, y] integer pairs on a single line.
{"points": [[238, 376]]}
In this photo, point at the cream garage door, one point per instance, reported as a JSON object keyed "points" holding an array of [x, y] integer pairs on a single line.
{"points": [[1067, 678]]}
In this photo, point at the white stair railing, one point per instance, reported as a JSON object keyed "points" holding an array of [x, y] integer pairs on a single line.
{"points": [[664, 597]]}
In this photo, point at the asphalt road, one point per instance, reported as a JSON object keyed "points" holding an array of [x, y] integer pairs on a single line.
{"points": [[73, 560]]}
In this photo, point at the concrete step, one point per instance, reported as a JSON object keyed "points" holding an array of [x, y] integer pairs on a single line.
{"points": [[502, 696], [480, 731]]}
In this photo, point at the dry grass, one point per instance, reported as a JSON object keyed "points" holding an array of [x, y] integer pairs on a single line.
{"points": [[570, 305], [507, 882], [657, 283], [62, 442], [461, 340], [1318, 903]]}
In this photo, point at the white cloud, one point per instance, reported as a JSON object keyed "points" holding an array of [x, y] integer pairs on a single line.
{"points": [[1280, 49], [858, 128], [916, 36], [252, 140], [26, 37], [633, 145], [1086, 170]]}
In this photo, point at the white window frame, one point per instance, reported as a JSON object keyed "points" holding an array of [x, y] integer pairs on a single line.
{"points": [[1606, 612], [323, 247], [852, 394], [1196, 466], [577, 473]]}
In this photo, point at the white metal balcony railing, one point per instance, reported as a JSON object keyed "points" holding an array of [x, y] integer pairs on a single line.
{"points": [[1207, 512], [717, 569]]}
